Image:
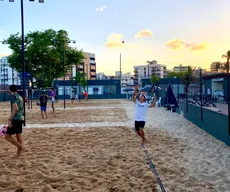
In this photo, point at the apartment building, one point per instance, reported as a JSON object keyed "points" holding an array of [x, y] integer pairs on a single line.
{"points": [[213, 66], [101, 76], [87, 66], [127, 80], [146, 71], [8, 76], [180, 68]]}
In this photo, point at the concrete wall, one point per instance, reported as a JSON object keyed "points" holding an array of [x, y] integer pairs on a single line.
{"points": [[216, 124]]}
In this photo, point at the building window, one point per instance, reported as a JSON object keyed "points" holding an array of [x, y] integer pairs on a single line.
{"points": [[92, 58], [110, 89]]}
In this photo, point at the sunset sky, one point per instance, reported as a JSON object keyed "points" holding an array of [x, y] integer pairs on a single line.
{"points": [[173, 32]]}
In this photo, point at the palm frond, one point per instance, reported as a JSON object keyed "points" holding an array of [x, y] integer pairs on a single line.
{"points": [[224, 56]]}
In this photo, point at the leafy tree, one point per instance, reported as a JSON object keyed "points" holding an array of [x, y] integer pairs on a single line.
{"points": [[45, 54], [155, 79], [79, 79], [176, 74]]}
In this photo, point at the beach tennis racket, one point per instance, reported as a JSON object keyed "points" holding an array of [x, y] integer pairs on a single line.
{"points": [[3, 130]]}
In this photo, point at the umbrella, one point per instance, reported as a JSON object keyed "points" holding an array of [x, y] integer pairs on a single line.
{"points": [[170, 98]]}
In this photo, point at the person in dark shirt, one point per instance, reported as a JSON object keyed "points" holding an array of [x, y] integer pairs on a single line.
{"points": [[43, 104]]}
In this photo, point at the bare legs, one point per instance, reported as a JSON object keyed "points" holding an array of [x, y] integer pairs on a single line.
{"points": [[18, 143], [52, 105], [142, 135], [43, 115]]}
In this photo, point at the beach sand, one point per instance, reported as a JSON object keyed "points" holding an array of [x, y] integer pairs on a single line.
{"points": [[82, 113], [93, 159], [106, 156]]}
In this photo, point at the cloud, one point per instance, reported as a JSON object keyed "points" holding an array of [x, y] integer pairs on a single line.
{"points": [[4, 54], [175, 44], [114, 40], [198, 47], [100, 9], [144, 33]]}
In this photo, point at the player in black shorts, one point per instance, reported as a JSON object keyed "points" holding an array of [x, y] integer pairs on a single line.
{"points": [[140, 112], [15, 120]]}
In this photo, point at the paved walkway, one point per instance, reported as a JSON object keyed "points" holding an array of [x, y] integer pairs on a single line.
{"points": [[222, 107]]}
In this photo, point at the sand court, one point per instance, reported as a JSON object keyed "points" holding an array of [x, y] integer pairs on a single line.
{"points": [[73, 115], [78, 115], [93, 159], [106, 155]]}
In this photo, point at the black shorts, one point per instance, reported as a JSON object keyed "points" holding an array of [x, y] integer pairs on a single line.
{"points": [[16, 128], [139, 124]]}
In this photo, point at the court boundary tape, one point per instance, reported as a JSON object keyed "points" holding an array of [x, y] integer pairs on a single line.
{"points": [[152, 166]]}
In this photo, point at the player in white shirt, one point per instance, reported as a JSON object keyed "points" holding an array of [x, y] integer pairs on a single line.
{"points": [[141, 107]]}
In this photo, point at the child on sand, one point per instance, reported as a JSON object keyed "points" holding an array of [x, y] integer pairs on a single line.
{"points": [[15, 120], [141, 107], [43, 104]]}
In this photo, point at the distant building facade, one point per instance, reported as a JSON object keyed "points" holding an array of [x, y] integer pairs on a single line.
{"points": [[127, 80], [146, 71], [101, 76], [87, 66], [180, 68], [8, 76], [213, 67]]}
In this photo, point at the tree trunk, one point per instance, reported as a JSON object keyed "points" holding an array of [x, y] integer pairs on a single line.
{"points": [[186, 98]]}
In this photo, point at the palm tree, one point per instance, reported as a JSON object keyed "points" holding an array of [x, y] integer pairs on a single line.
{"points": [[79, 79], [221, 66], [188, 78], [227, 56]]}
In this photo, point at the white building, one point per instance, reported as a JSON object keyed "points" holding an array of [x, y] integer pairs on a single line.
{"points": [[152, 68], [8, 76], [101, 76], [180, 68], [117, 73], [127, 80]]}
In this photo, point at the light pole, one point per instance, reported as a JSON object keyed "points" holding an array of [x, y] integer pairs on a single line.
{"points": [[23, 53], [64, 69], [120, 63]]}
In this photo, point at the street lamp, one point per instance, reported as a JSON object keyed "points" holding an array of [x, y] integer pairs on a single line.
{"points": [[23, 53], [120, 63]]}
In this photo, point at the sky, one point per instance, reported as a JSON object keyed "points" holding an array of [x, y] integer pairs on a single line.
{"points": [[173, 32]]}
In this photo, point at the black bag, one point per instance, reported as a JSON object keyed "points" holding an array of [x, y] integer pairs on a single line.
{"points": [[43, 100]]}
